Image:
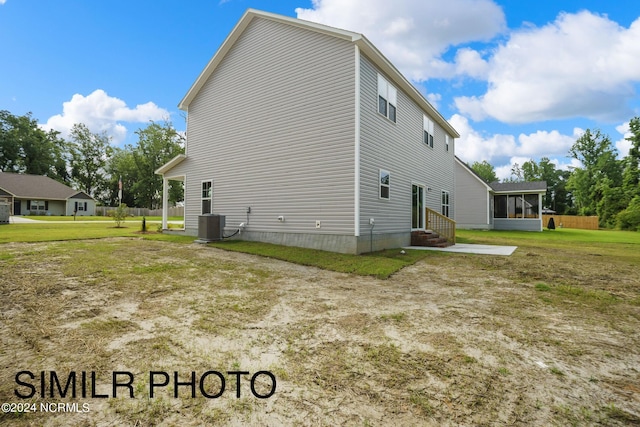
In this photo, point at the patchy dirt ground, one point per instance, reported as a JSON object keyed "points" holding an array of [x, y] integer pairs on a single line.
{"points": [[455, 339]]}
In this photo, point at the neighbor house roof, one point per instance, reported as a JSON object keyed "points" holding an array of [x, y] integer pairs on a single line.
{"points": [[36, 187], [359, 40], [508, 187]]}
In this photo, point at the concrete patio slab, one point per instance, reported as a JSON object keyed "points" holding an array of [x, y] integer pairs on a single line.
{"points": [[468, 248]]}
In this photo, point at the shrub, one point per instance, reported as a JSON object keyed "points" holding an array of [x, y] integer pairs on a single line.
{"points": [[629, 219], [120, 214]]}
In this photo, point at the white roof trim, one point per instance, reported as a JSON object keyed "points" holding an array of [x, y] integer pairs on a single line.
{"points": [[502, 192], [361, 41], [170, 164]]}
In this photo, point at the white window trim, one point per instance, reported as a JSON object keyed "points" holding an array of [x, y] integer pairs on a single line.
{"points": [[380, 184], [210, 198], [423, 226], [428, 127], [390, 95], [448, 204]]}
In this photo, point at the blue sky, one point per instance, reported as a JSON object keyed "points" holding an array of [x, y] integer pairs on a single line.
{"points": [[518, 80]]}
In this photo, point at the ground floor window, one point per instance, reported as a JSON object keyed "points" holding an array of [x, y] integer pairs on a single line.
{"points": [[206, 196], [531, 206], [500, 207], [516, 206], [37, 205], [385, 184], [417, 208], [445, 203]]}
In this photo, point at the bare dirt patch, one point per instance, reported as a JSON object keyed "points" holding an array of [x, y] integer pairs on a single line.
{"points": [[530, 339]]}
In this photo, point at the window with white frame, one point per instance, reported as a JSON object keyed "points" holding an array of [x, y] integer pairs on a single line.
{"points": [[445, 203], [206, 196], [429, 128], [384, 184], [387, 99], [447, 141], [37, 205]]}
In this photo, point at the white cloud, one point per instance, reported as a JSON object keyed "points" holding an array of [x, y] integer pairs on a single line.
{"points": [[101, 112], [2, 2], [434, 99], [469, 62], [473, 146], [623, 145], [414, 34], [580, 65]]}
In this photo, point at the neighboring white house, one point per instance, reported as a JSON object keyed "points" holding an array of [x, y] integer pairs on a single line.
{"points": [[310, 137], [41, 195], [497, 206]]}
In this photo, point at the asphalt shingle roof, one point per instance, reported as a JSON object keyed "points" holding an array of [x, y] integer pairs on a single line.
{"points": [[519, 186], [35, 186]]}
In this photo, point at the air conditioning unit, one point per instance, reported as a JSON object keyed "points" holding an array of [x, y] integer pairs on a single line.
{"points": [[210, 228]]}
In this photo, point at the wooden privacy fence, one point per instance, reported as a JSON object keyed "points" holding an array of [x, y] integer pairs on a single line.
{"points": [[444, 226], [572, 221], [173, 211]]}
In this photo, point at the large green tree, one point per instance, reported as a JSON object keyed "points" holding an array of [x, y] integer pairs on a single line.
{"points": [[631, 172], [157, 144], [556, 179], [89, 154], [121, 168], [485, 171], [597, 155], [27, 148]]}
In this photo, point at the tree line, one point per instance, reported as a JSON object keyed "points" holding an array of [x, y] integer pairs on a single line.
{"points": [[604, 185], [88, 161]]}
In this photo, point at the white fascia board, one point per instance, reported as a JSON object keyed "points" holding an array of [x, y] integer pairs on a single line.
{"points": [[170, 164], [7, 191], [392, 72], [499, 193], [237, 31]]}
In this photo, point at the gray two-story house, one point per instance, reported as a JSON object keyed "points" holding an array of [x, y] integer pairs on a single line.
{"points": [[306, 135]]}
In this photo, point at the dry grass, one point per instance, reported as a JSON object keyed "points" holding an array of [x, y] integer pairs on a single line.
{"points": [[530, 339]]}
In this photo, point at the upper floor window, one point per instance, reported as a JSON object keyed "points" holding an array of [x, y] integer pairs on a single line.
{"points": [[206, 196], [387, 99], [428, 131], [385, 184], [447, 141]]}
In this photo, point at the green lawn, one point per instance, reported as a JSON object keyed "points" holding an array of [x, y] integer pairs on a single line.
{"points": [[380, 264], [48, 231], [625, 245], [98, 218], [557, 237], [622, 244]]}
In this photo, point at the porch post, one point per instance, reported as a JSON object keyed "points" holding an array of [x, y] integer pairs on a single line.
{"points": [[165, 201]]}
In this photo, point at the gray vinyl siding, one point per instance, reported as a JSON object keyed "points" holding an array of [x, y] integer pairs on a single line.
{"points": [[520, 224], [398, 148], [274, 128], [472, 198]]}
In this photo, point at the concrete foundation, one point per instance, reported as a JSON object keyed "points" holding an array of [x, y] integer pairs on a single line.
{"points": [[326, 242]]}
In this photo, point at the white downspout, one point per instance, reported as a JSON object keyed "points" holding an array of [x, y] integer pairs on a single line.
{"points": [[356, 193]]}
